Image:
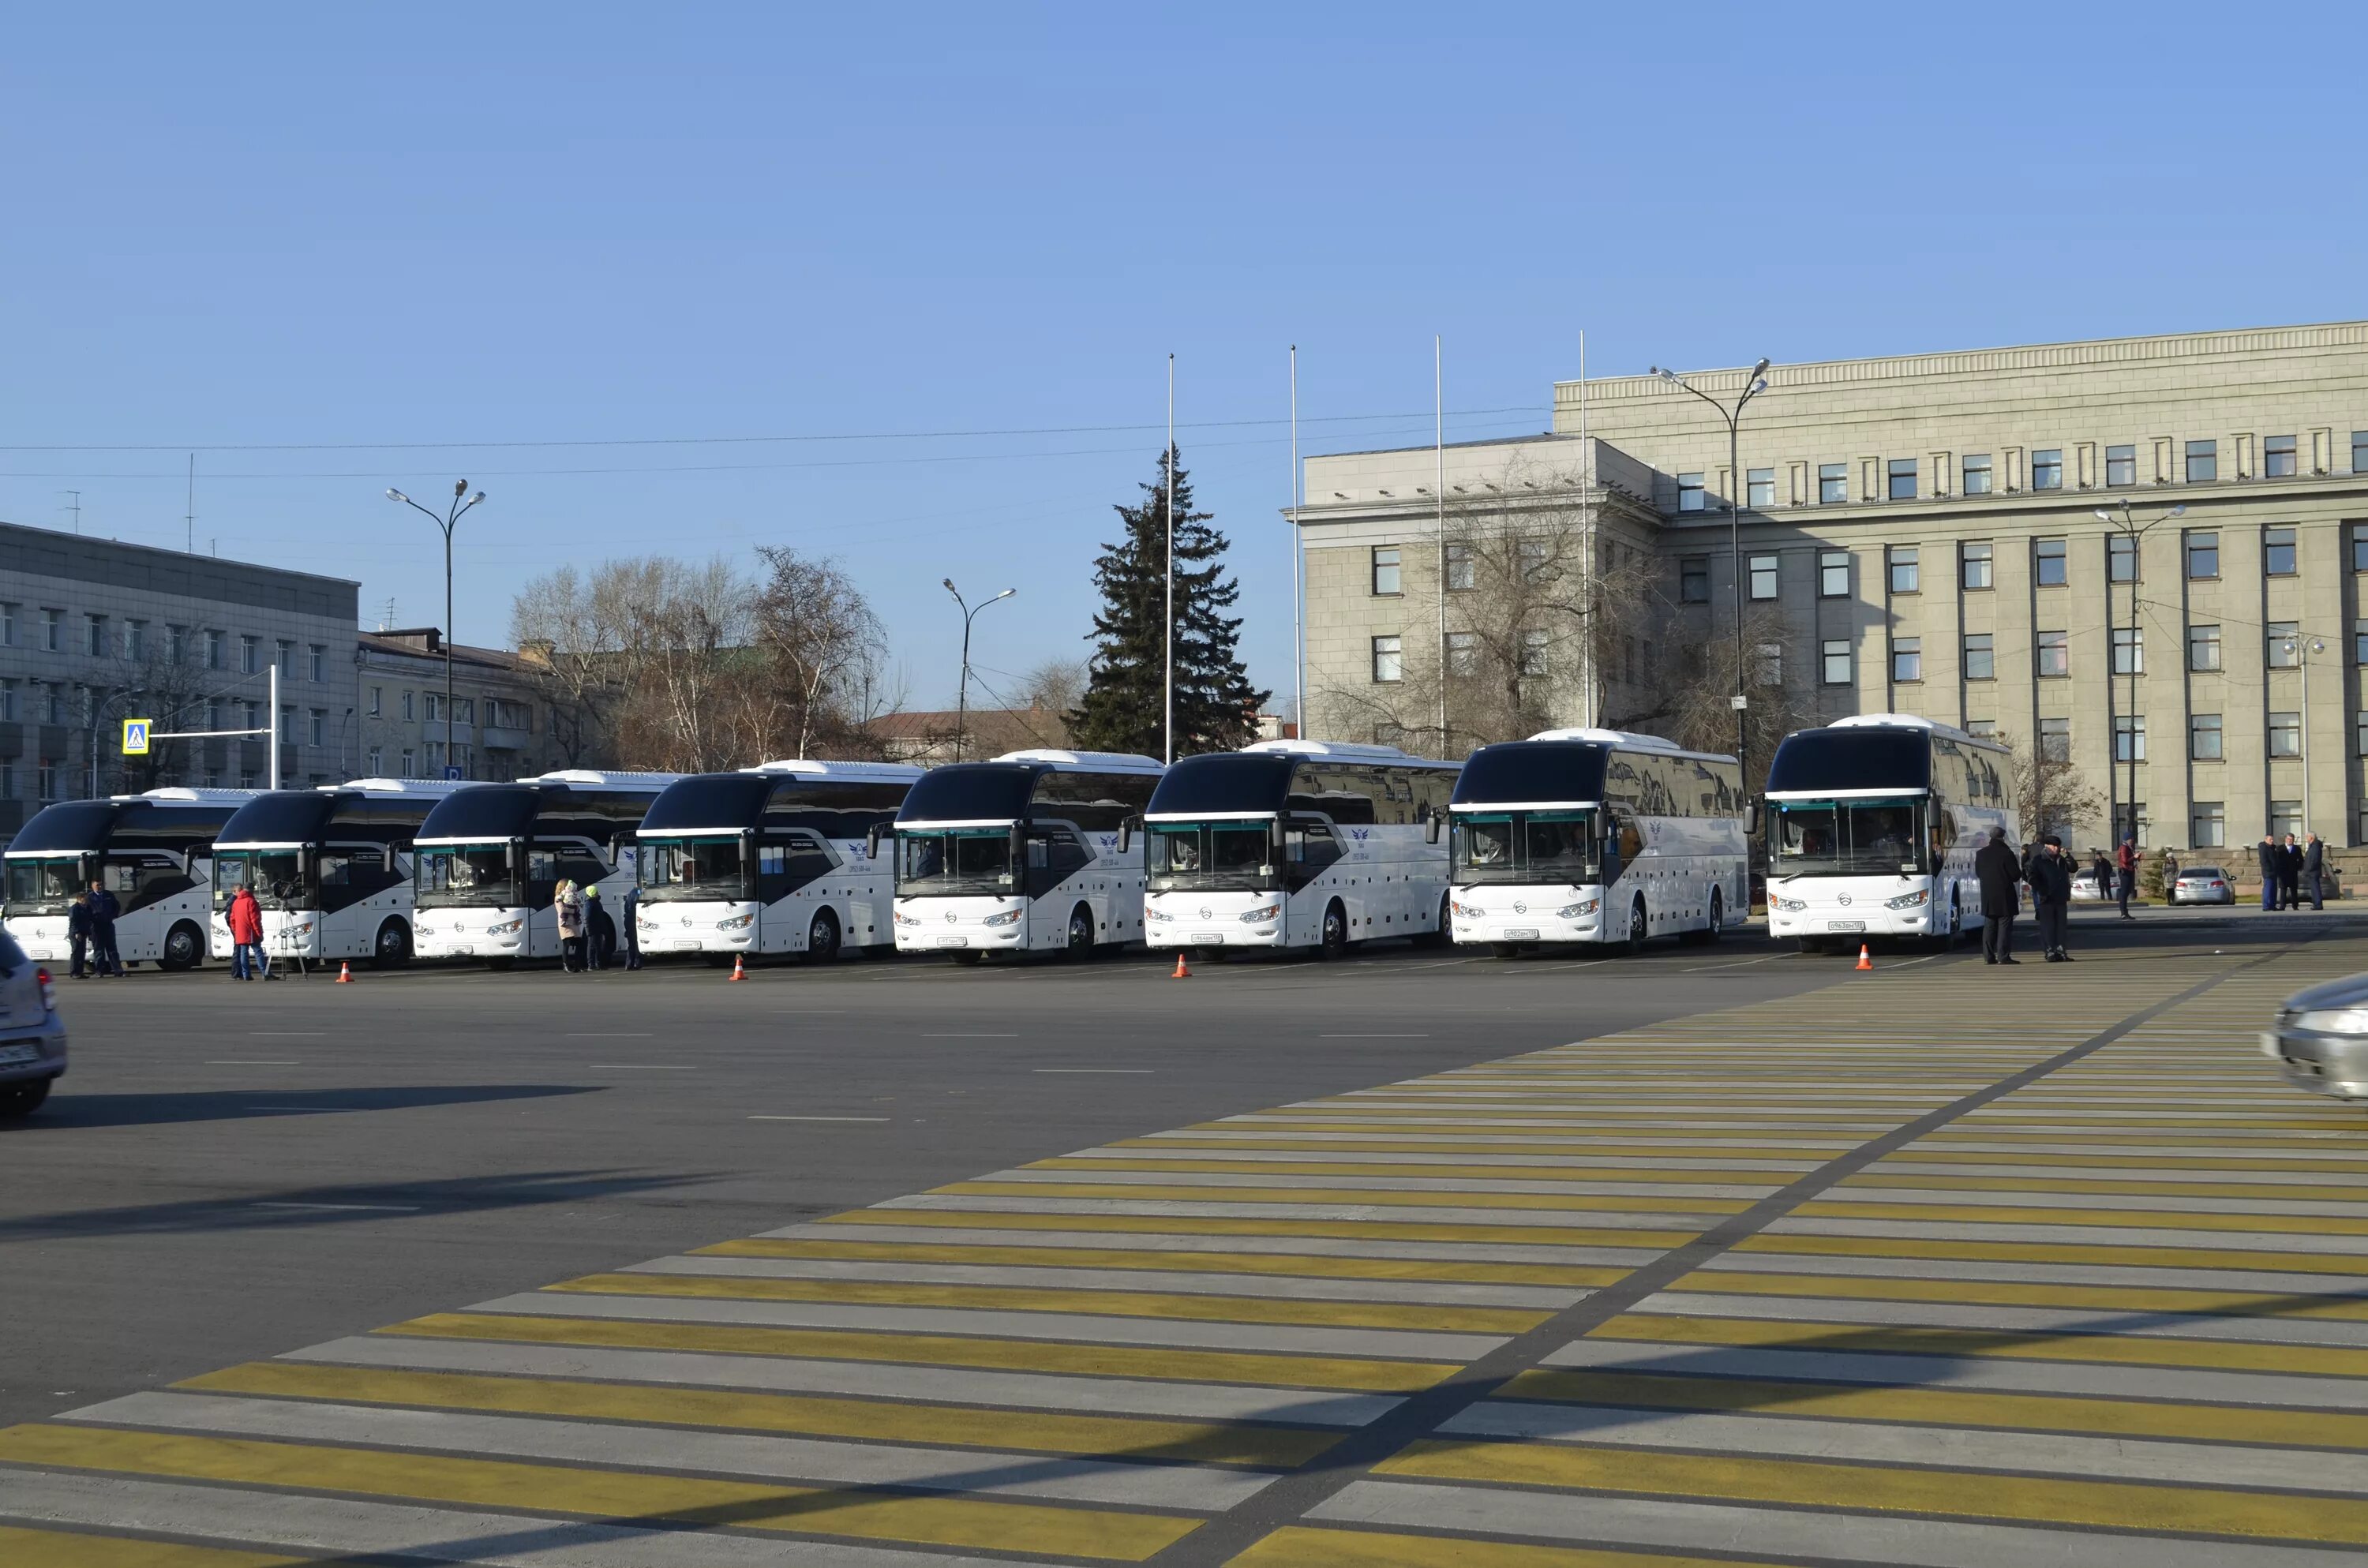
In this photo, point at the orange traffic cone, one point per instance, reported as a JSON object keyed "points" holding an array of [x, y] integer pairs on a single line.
{"points": [[345, 973], [739, 967], [1182, 972], [1863, 961]]}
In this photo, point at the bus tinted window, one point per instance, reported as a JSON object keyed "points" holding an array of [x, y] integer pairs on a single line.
{"points": [[1852, 760], [1097, 803]]}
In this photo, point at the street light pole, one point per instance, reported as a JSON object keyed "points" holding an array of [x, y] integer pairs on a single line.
{"points": [[452, 515], [2301, 652], [2134, 532], [962, 702], [1754, 385]]}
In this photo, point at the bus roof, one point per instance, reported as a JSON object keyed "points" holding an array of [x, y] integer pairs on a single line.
{"points": [[416, 789], [1085, 761], [1631, 740], [603, 779], [1342, 751], [1914, 722], [87, 826], [823, 768]]}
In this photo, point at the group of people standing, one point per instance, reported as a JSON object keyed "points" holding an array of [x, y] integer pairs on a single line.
{"points": [[90, 928], [587, 936], [2289, 870], [2047, 871]]}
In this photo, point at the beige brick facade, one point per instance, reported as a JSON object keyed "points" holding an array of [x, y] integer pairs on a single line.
{"points": [[2064, 429]]}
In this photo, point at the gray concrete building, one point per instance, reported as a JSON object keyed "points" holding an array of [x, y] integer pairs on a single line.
{"points": [[1918, 534], [501, 726], [93, 632]]}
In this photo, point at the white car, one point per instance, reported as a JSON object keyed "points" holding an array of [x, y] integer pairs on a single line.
{"points": [[2084, 886], [2202, 884]]}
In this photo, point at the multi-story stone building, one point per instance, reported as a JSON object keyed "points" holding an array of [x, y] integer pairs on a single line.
{"points": [[500, 725], [93, 632], [1991, 538]]}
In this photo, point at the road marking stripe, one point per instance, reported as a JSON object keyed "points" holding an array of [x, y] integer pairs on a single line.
{"points": [[2313, 1360], [1295, 1546], [2048, 1252], [1222, 1443], [64, 1549], [1573, 1178], [1204, 1225], [2108, 1504], [2229, 1303], [1362, 1197], [2159, 1218], [603, 1494], [1364, 1374], [1414, 1292], [1329, 1265], [1112, 1303]]}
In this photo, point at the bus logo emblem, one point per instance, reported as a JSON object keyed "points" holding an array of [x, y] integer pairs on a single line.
{"points": [[1520, 909], [1204, 914], [1841, 898], [949, 917]]}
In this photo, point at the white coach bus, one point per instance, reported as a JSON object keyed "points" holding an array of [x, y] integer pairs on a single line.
{"points": [[1296, 844], [152, 851], [489, 859], [1597, 835], [1021, 855], [331, 867], [1872, 824], [771, 860]]}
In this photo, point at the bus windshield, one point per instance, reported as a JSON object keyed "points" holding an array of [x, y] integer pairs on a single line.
{"points": [[459, 874], [679, 868], [1848, 838], [954, 860], [1524, 847], [1210, 857], [276, 875], [44, 884]]}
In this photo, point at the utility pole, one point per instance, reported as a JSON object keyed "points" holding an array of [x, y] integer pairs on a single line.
{"points": [[452, 515], [1168, 724], [1754, 384]]}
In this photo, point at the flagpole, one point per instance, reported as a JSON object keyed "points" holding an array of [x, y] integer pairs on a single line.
{"points": [[1168, 726], [1587, 543], [1439, 485], [1298, 551]]}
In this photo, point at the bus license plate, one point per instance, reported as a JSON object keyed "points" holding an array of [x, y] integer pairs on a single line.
{"points": [[18, 1055], [1208, 938], [1845, 925], [1523, 934], [953, 941]]}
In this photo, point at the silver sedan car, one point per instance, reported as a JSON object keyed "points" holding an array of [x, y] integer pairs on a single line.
{"points": [[2203, 884], [2320, 1038], [32, 1035]]}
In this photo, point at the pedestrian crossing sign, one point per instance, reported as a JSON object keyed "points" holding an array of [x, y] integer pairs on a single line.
{"points": [[135, 736]]}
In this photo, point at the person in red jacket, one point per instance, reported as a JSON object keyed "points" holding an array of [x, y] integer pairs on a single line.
{"points": [[246, 922]]}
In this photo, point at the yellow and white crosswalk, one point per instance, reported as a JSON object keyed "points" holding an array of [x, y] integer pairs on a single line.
{"points": [[1791, 1282]]}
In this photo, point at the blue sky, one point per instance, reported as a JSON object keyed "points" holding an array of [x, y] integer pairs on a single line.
{"points": [[348, 233]]}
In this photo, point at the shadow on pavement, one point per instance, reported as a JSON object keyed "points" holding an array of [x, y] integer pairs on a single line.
{"points": [[67, 1110]]}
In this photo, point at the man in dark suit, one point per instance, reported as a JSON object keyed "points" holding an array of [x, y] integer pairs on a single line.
{"points": [[2267, 853], [2290, 874], [1996, 868], [2314, 870], [2050, 875]]}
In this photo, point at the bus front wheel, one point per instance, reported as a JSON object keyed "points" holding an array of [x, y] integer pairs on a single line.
{"points": [[1441, 935], [185, 945], [1335, 939], [1080, 945], [822, 938], [1634, 940], [392, 948]]}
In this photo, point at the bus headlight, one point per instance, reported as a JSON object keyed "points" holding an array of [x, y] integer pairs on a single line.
{"points": [[1907, 900], [905, 919], [1464, 911], [1009, 917], [1157, 916], [734, 922], [1265, 911], [1792, 906], [506, 929], [1572, 911]]}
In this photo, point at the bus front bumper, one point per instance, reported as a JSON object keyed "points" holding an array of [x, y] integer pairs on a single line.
{"points": [[465, 933], [717, 926], [1502, 914], [43, 937], [1213, 920], [954, 925], [1864, 917]]}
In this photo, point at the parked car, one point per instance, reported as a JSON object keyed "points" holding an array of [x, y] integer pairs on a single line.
{"points": [[32, 1035], [2320, 1038], [2203, 884], [2084, 886]]}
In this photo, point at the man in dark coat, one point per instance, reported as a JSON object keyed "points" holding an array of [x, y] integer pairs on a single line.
{"points": [[1996, 869], [2267, 852], [78, 931], [2290, 874], [2314, 871], [107, 964], [2051, 897]]}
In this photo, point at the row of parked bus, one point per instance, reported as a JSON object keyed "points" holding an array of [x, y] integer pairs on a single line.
{"points": [[1571, 836]]}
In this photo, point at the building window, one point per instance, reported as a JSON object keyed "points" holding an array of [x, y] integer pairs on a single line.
{"points": [[2121, 467], [1833, 573], [435, 706], [2049, 567], [2203, 647], [318, 733], [1902, 479], [216, 650], [135, 639], [1906, 659], [287, 725], [2208, 826], [2202, 461], [2285, 817], [1973, 566], [374, 761], [53, 631], [1980, 661], [2278, 456], [2047, 468], [2278, 552], [1463, 653], [1533, 652], [286, 658], [2129, 650], [375, 697], [214, 713], [1386, 570], [2203, 737], [8, 619], [1973, 473], [2285, 734], [1982, 729], [1835, 656], [1760, 487], [1763, 577], [1459, 567], [2122, 559], [2055, 739], [7, 708], [406, 712], [2359, 734], [318, 661], [2360, 451], [1768, 666], [1833, 480], [1693, 579], [2054, 651], [2284, 651], [1389, 659], [1535, 559], [2203, 556], [410, 763], [1903, 569], [250, 655], [45, 779], [1690, 493], [2129, 739]]}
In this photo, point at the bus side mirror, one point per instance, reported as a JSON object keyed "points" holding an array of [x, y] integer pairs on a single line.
{"points": [[871, 841], [1750, 817], [1019, 847], [1125, 835], [1430, 829]]}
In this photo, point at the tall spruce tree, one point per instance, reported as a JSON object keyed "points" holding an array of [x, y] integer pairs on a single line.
{"points": [[1123, 708]]}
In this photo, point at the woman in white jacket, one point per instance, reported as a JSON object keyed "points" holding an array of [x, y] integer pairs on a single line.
{"points": [[567, 903]]}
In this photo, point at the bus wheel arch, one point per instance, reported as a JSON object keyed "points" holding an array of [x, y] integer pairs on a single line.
{"points": [[1333, 936], [822, 935], [391, 948], [1443, 934], [184, 948], [1079, 944], [1638, 927]]}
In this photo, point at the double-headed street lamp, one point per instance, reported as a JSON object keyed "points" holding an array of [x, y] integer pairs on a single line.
{"points": [[452, 515], [962, 703], [1756, 383], [2134, 530], [2301, 650]]}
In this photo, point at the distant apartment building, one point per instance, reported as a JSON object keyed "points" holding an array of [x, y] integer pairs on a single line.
{"points": [[499, 726], [93, 632], [1918, 534]]}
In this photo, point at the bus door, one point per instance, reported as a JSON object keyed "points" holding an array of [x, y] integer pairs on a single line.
{"points": [[141, 879], [1311, 846], [1056, 856], [789, 865]]}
